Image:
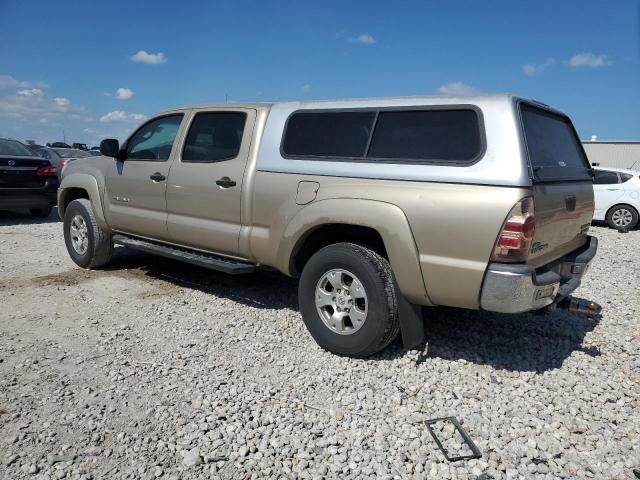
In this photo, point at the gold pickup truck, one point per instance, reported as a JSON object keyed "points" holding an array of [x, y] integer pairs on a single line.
{"points": [[379, 206]]}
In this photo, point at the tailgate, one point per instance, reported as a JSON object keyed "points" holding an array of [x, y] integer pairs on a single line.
{"points": [[20, 172], [563, 215], [563, 183]]}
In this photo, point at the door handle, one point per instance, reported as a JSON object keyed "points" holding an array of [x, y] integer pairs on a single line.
{"points": [[226, 182], [157, 177]]}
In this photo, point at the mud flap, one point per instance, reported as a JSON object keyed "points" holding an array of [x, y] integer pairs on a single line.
{"points": [[411, 324]]}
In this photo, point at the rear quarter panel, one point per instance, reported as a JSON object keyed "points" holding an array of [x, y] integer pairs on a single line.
{"points": [[449, 231]]}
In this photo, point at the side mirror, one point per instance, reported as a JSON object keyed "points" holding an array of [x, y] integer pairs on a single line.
{"points": [[110, 148]]}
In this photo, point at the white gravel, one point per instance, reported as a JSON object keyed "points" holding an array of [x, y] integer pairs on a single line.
{"points": [[155, 369]]}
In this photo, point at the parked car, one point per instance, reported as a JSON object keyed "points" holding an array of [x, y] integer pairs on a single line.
{"points": [[80, 146], [60, 157], [26, 180], [379, 206], [58, 145], [617, 196]]}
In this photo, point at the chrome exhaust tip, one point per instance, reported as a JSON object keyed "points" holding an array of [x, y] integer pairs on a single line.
{"points": [[580, 305]]}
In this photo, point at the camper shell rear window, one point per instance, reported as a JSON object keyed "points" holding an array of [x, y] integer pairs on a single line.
{"points": [[553, 147]]}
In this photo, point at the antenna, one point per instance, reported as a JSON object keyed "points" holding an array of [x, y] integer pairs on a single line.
{"points": [[64, 137]]}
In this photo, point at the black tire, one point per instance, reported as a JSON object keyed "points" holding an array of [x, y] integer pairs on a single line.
{"points": [[618, 208], [381, 325], [42, 212], [100, 244]]}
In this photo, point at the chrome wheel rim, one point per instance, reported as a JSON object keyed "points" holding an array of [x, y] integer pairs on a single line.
{"points": [[622, 217], [341, 301], [79, 234]]}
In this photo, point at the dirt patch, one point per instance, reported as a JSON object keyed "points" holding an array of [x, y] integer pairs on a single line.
{"points": [[67, 278]]}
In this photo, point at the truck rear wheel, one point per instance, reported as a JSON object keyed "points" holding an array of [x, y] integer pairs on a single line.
{"points": [[87, 244], [348, 300]]}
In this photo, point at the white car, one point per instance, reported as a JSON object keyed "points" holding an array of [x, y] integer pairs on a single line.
{"points": [[617, 197]]}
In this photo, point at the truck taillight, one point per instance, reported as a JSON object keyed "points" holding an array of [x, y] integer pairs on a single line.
{"points": [[49, 171], [516, 235]]}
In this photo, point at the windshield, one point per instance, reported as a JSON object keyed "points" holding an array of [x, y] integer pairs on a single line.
{"points": [[14, 148], [554, 149], [70, 153]]}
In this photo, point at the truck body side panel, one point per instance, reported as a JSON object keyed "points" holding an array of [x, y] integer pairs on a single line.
{"points": [[450, 229]]}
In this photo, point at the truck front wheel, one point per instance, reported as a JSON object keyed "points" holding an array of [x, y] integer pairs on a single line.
{"points": [[348, 301], [87, 244]]}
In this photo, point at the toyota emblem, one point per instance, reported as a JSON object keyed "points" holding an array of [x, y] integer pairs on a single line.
{"points": [[11, 163]]}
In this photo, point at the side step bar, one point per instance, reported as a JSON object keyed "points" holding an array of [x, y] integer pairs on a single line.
{"points": [[206, 260]]}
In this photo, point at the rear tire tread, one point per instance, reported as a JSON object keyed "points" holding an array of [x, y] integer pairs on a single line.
{"points": [[367, 258]]}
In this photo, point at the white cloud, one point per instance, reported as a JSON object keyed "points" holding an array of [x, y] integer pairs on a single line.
{"points": [[123, 93], [457, 88], [27, 111], [34, 101], [531, 69], [364, 39], [121, 116], [7, 81], [30, 92], [62, 102], [306, 88], [153, 58], [589, 60]]}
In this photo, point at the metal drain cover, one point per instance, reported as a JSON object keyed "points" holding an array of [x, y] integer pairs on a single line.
{"points": [[454, 442]]}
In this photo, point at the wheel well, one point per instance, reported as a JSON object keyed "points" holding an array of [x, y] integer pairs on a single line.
{"points": [[72, 194], [334, 233]]}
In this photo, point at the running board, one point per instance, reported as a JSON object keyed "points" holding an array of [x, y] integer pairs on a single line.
{"points": [[206, 260]]}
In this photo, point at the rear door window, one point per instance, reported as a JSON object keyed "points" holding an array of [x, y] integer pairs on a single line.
{"points": [[553, 146], [605, 177], [214, 137]]}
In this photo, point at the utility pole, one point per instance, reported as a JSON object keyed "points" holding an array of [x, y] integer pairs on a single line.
{"points": [[64, 137]]}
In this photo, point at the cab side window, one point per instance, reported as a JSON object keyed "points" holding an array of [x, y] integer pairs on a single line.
{"points": [[153, 141], [605, 177], [214, 137]]}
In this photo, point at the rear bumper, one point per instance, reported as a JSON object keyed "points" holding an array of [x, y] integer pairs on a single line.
{"points": [[520, 288], [30, 197]]}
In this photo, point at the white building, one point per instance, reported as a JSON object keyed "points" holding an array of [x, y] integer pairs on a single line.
{"points": [[615, 154]]}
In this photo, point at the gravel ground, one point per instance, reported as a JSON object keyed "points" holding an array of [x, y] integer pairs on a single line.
{"points": [[151, 368]]}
